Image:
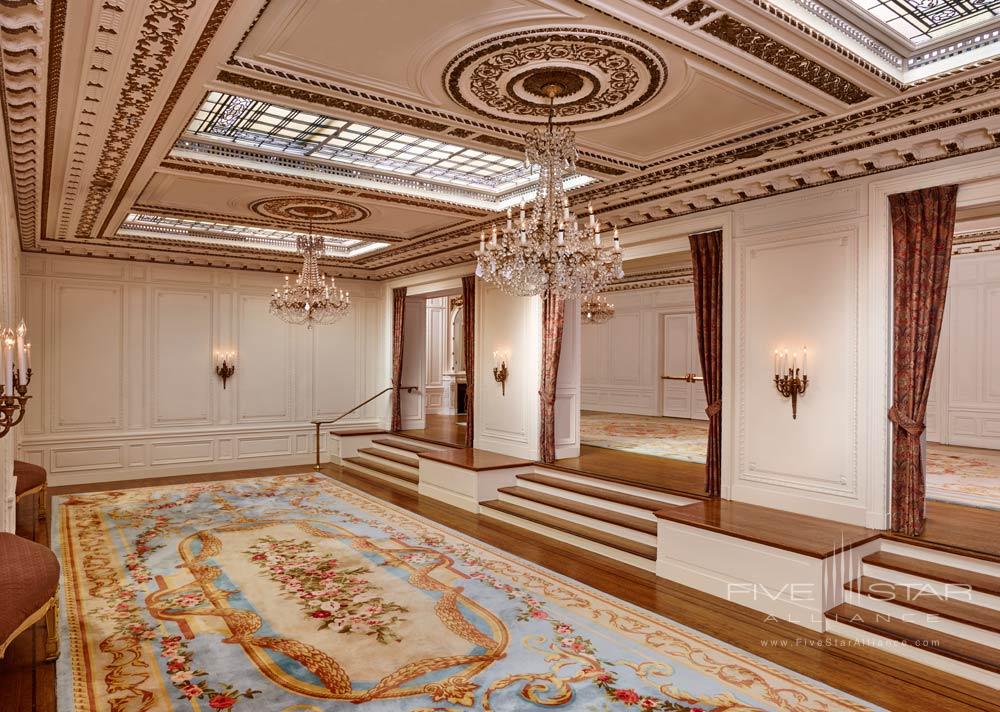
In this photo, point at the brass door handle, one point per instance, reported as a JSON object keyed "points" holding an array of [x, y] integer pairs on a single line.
{"points": [[688, 377]]}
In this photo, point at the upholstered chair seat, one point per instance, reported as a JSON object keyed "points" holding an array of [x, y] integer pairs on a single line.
{"points": [[30, 479], [28, 590]]}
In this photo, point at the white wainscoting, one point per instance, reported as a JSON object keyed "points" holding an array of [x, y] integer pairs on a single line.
{"points": [[620, 361], [124, 376], [964, 408]]}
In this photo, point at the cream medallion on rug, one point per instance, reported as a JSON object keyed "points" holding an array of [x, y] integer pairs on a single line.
{"points": [[299, 593]]}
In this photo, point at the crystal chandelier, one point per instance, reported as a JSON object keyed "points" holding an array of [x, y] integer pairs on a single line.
{"points": [[311, 299], [549, 251], [596, 310]]}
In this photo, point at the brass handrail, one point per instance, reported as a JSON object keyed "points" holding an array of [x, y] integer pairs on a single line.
{"points": [[689, 377], [319, 423]]}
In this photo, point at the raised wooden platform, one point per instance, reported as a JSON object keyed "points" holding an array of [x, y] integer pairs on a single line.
{"points": [[439, 430], [798, 533], [473, 459], [686, 479], [959, 529]]}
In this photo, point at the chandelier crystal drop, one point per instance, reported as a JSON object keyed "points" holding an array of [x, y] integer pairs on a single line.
{"points": [[596, 310], [311, 299], [549, 251]]}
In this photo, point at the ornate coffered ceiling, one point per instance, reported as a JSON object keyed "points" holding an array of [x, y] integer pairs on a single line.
{"points": [[211, 131]]}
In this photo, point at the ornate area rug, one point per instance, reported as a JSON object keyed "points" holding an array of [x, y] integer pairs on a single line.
{"points": [[646, 434], [296, 593], [963, 477]]}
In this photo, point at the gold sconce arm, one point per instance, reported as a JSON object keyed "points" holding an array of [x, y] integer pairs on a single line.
{"points": [[792, 386], [500, 376]]}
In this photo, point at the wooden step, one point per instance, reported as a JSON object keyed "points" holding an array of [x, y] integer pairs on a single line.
{"points": [[647, 526], [384, 469], [960, 649], [399, 445], [394, 457], [925, 601], [609, 495], [584, 532], [983, 583], [393, 483]]}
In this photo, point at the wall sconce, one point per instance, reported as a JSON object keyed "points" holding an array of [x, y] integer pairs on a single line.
{"points": [[790, 380], [500, 359], [225, 365], [16, 377]]}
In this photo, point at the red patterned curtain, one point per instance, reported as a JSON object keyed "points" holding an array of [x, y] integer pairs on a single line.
{"points": [[553, 313], [706, 255], [923, 225], [469, 337], [398, 313]]}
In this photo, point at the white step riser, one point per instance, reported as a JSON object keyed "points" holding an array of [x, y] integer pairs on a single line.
{"points": [[966, 563], [419, 443], [631, 534], [374, 473], [587, 499], [395, 450], [934, 622], [667, 499], [587, 544], [924, 656], [958, 593], [390, 463]]}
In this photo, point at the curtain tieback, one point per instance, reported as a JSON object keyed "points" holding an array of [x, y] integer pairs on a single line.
{"points": [[713, 409], [910, 426]]}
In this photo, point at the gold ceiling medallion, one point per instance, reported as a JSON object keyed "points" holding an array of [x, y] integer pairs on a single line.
{"points": [[318, 211], [600, 74]]}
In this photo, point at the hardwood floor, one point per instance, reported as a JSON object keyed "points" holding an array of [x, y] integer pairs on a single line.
{"points": [[443, 429], [659, 473], [973, 531], [878, 677]]}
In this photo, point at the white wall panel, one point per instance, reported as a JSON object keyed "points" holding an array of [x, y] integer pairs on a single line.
{"points": [[182, 355], [125, 369], [87, 354], [264, 375]]}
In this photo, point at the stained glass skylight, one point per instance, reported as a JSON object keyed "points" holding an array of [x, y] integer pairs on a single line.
{"points": [[259, 124], [921, 21], [211, 232]]}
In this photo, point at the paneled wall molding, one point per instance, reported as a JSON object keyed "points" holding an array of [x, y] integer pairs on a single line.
{"points": [[124, 359]]}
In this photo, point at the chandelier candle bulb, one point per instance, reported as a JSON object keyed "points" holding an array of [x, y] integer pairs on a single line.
{"points": [[8, 362], [21, 367]]}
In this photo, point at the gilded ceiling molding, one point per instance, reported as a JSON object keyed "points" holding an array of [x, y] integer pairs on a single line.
{"points": [[767, 49], [671, 277], [875, 71], [190, 214], [22, 50], [308, 209], [601, 74], [976, 242], [518, 146], [329, 102], [907, 105], [258, 175], [162, 28], [57, 28], [694, 12], [208, 33], [661, 4]]}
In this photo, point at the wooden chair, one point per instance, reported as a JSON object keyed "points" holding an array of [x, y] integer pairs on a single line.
{"points": [[31, 479], [28, 588]]}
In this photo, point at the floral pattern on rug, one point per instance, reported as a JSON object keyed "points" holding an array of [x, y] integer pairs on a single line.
{"points": [[970, 478], [213, 597], [646, 434]]}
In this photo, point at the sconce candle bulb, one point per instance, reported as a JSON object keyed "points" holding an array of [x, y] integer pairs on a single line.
{"points": [[16, 376]]}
